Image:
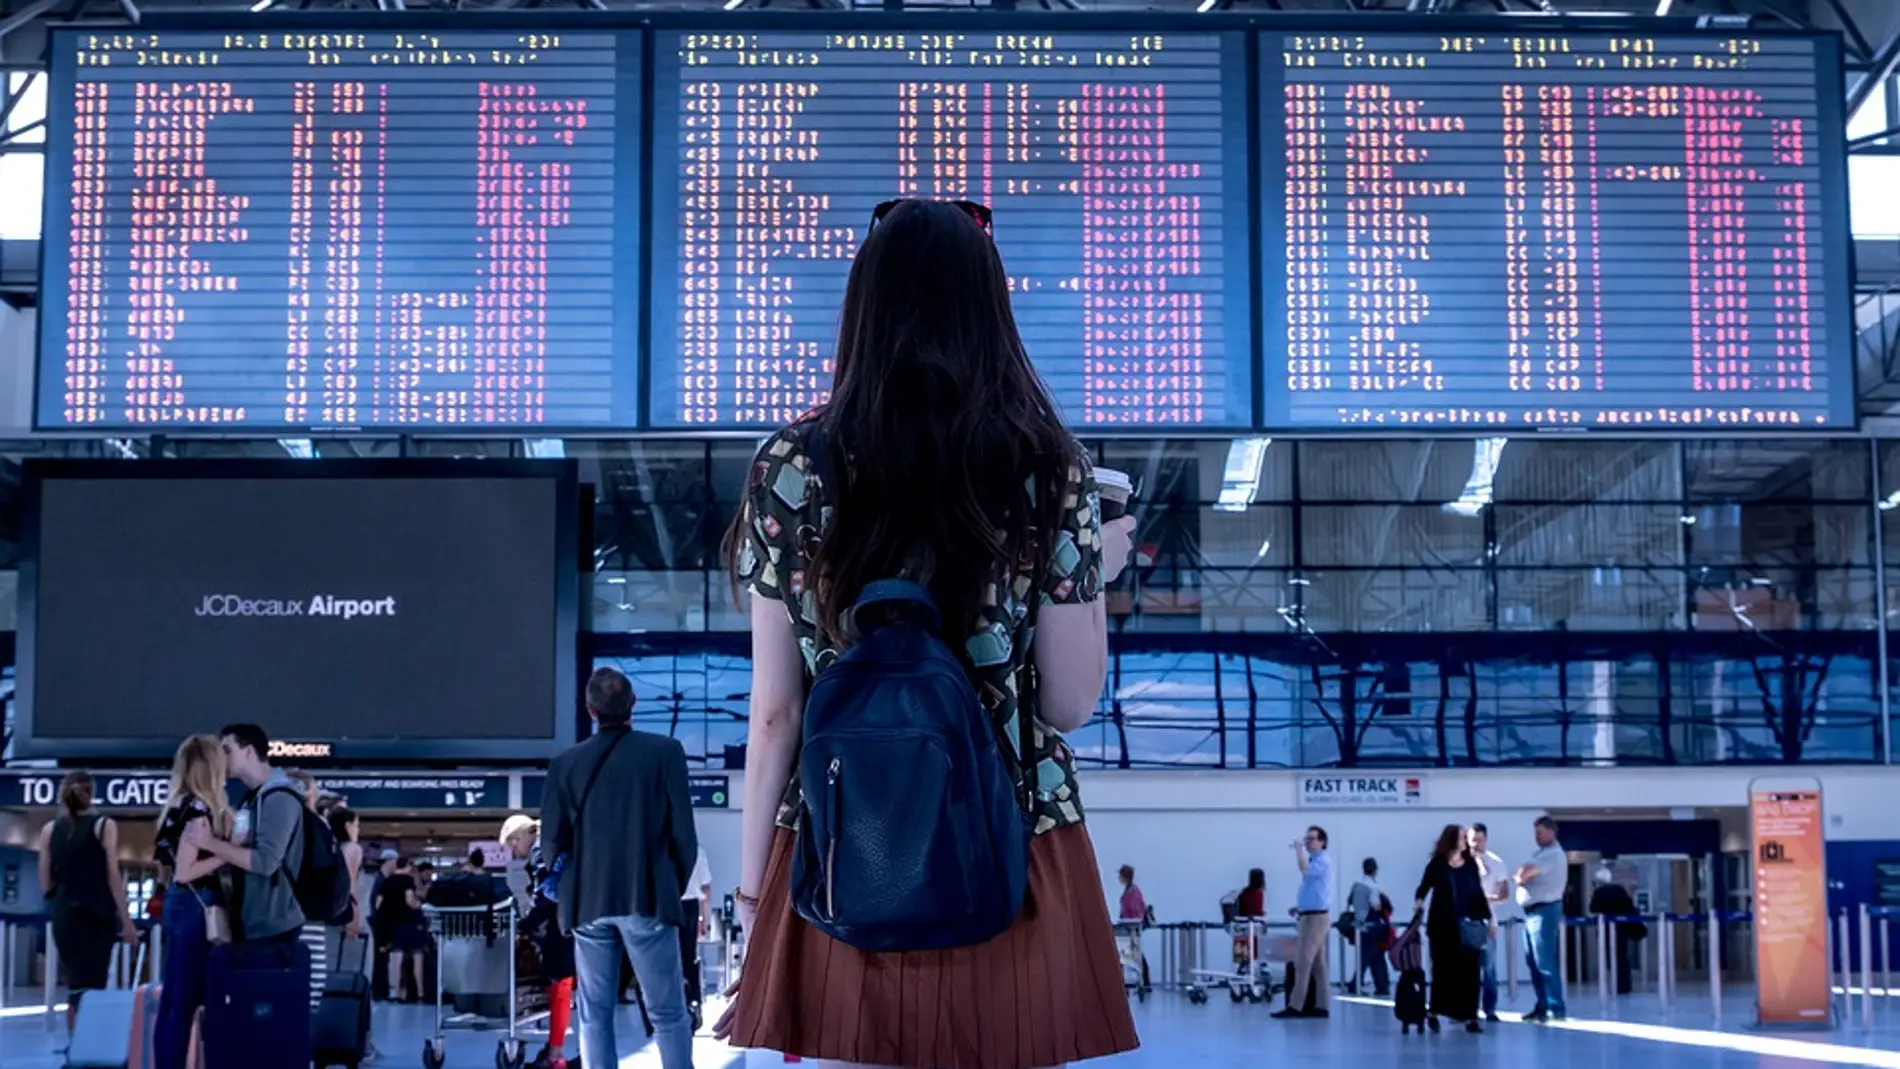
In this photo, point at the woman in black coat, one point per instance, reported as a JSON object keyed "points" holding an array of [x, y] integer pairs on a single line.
{"points": [[1457, 898]]}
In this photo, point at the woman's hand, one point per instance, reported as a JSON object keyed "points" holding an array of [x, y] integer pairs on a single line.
{"points": [[128, 932], [746, 912], [1418, 908], [1117, 545], [722, 1028]]}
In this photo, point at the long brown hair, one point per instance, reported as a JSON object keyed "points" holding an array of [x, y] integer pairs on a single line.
{"points": [[1450, 841], [75, 793], [936, 424]]}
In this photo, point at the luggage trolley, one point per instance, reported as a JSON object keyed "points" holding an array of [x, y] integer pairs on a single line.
{"points": [[492, 926], [1250, 979], [1129, 949]]}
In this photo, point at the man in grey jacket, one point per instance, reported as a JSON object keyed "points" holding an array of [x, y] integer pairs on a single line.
{"points": [[618, 809], [267, 841]]}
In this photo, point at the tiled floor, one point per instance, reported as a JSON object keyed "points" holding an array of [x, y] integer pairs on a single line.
{"points": [[1218, 1035]]}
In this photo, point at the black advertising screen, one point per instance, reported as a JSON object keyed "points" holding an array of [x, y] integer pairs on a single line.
{"points": [[368, 228], [426, 611], [1115, 164], [1550, 230]]}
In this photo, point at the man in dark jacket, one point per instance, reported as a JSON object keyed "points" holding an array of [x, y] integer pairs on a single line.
{"points": [[618, 809]]}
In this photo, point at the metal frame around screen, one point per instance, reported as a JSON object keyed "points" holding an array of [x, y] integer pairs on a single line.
{"points": [[1835, 223], [565, 707]]}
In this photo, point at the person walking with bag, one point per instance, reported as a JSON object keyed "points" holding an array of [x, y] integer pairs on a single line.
{"points": [[199, 895], [619, 813], [1458, 928], [930, 535], [79, 873]]}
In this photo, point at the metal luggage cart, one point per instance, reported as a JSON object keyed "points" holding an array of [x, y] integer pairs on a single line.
{"points": [[492, 926], [1251, 977], [1133, 958]]}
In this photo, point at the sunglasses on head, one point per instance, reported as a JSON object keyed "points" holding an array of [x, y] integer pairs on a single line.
{"points": [[978, 213]]}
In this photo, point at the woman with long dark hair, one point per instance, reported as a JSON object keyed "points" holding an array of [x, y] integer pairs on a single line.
{"points": [[1457, 928], [945, 462], [79, 873]]}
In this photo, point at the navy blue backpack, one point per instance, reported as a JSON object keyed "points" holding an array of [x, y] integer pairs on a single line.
{"points": [[914, 835]]}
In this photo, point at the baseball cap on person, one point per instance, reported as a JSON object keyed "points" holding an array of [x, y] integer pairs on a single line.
{"points": [[389, 853], [515, 825]]}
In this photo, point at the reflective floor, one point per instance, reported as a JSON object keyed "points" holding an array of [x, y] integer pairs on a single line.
{"points": [[1637, 1034]]}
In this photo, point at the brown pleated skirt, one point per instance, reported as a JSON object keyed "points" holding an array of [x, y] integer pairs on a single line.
{"points": [[1046, 992]]}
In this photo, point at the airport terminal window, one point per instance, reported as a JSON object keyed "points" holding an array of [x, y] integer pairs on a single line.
{"points": [[1594, 601]]}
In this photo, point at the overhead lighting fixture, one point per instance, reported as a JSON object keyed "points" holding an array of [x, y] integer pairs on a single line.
{"points": [[1890, 502], [734, 5], [546, 448], [262, 5], [1206, 6], [301, 448], [1663, 6]]}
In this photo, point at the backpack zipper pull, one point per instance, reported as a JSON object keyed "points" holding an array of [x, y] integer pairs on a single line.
{"points": [[832, 772]]}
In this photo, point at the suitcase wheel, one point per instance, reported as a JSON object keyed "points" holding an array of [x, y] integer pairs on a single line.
{"points": [[510, 1054], [432, 1054], [1197, 996], [1236, 994]]}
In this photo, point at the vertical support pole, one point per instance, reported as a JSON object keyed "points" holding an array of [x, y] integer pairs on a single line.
{"points": [[1880, 612], [51, 978]]}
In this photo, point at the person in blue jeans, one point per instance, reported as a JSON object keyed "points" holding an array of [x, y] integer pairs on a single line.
{"points": [[1543, 880], [618, 810], [197, 798]]}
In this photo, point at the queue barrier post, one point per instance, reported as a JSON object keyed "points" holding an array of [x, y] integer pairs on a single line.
{"points": [[1866, 967], [48, 981], [1665, 962], [1844, 966], [1886, 962], [1509, 942], [1715, 967]]}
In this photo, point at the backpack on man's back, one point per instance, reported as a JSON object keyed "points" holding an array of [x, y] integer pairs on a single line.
{"points": [[321, 880]]}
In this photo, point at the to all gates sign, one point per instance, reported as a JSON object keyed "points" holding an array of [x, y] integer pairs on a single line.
{"points": [[1361, 792], [126, 791]]}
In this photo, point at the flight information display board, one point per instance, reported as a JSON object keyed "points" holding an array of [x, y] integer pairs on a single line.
{"points": [[1530, 230], [361, 229], [1115, 163]]}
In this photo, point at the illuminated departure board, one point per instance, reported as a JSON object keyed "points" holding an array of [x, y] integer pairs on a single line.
{"points": [[373, 228], [1115, 164], [1518, 230]]}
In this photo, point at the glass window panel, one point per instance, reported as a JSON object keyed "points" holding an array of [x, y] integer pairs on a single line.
{"points": [[1434, 472], [1190, 471], [1780, 533], [1596, 535], [1871, 181], [1234, 599], [653, 601], [1755, 469], [1424, 536], [1770, 706], [1260, 537], [30, 107], [1395, 599], [1755, 598], [1609, 470], [22, 187], [9, 599], [1590, 599], [699, 698]]}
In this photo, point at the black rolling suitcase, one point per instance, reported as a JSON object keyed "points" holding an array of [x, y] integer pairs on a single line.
{"points": [[339, 1032], [257, 1006], [1409, 1003]]}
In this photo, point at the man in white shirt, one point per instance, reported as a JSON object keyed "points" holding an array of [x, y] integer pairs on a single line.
{"points": [[697, 903], [1541, 883], [1496, 878]]}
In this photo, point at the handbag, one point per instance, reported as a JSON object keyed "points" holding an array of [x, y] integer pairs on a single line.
{"points": [[1475, 935]]}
